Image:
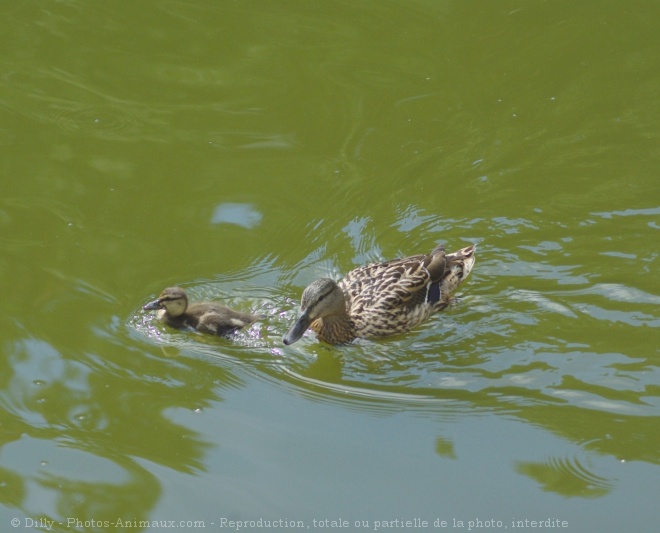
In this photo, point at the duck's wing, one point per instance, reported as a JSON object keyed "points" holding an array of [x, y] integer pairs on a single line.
{"points": [[396, 284]]}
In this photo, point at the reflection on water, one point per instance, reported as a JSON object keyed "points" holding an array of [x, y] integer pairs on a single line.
{"points": [[243, 215], [80, 431]]}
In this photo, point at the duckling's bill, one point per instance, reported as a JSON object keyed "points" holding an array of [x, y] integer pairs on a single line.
{"points": [[156, 304]]}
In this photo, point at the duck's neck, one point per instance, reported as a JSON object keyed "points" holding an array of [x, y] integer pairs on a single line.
{"points": [[334, 329]]}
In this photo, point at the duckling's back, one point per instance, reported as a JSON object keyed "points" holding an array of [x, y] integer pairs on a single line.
{"points": [[217, 319]]}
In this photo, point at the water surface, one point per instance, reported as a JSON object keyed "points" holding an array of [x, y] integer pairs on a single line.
{"points": [[242, 150]]}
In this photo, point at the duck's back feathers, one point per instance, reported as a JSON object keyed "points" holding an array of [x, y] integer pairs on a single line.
{"points": [[400, 283]]}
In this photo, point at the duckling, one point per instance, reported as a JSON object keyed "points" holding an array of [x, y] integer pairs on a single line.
{"points": [[206, 317], [382, 299]]}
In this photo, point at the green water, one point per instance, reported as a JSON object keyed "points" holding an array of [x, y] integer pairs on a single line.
{"points": [[243, 149]]}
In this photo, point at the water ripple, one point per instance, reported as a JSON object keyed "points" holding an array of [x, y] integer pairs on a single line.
{"points": [[567, 476], [105, 121]]}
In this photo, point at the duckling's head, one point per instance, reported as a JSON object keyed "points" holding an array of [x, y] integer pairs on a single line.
{"points": [[173, 300], [320, 299]]}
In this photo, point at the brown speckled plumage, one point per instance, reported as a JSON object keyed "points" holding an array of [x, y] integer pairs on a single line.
{"points": [[382, 299]]}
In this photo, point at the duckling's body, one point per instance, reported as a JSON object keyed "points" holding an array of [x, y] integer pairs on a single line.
{"points": [[205, 317], [382, 299]]}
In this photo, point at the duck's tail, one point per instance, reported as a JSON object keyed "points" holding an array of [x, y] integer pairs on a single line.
{"points": [[459, 266]]}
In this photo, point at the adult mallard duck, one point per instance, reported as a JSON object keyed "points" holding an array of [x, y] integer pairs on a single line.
{"points": [[381, 299], [206, 317]]}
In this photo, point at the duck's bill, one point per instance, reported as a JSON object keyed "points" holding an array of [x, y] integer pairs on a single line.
{"points": [[156, 304], [297, 330]]}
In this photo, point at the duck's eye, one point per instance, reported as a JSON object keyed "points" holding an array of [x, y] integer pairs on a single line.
{"points": [[323, 296]]}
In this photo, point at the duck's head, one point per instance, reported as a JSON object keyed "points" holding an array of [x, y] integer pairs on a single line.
{"points": [[173, 300], [320, 299]]}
